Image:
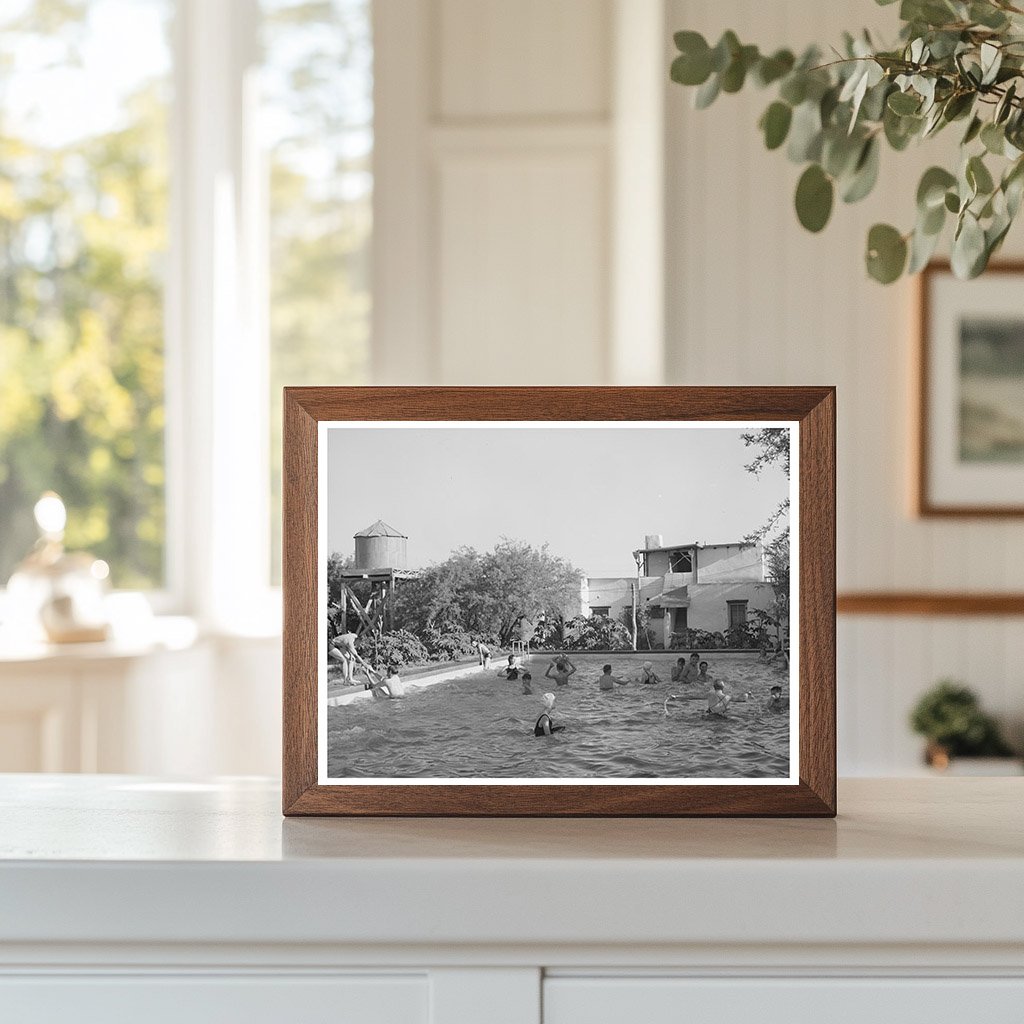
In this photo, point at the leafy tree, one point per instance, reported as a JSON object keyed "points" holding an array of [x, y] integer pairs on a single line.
{"points": [[956, 61], [491, 592], [82, 231]]}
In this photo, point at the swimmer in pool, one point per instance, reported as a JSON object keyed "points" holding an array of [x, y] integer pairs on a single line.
{"points": [[702, 675], [679, 671], [544, 726], [692, 669], [393, 684], [511, 670], [563, 668], [776, 702], [608, 681], [527, 683], [718, 700], [648, 675]]}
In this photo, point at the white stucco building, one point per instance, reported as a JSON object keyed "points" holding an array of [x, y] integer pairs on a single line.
{"points": [[686, 586]]}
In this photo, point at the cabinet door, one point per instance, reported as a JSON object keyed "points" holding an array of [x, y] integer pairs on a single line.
{"points": [[205, 999], [782, 1001]]}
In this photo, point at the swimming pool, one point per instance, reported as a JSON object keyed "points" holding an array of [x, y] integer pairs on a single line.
{"points": [[482, 727]]}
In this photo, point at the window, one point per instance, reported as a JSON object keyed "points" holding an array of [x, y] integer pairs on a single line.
{"points": [[737, 613], [83, 238], [680, 561], [602, 610], [317, 122], [655, 611], [679, 622]]}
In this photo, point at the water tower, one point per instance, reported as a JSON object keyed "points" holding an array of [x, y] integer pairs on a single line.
{"points": [[379, 548]]}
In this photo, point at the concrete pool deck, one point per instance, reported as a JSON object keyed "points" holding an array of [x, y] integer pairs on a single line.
{"points": [[419, 678]]}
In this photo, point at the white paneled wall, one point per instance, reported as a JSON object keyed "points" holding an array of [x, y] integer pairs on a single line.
{"points": [[754, 299], [552, 210], [500, 164]]}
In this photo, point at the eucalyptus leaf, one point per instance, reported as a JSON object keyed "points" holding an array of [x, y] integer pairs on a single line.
{"points": [[904, 103], [922, 247], [993, 138], [968, 248], [771, 69], [865, 173], [814, 196], [707, 93], [805, 133], [886, 253], [775, 124], [978, 176], [931, 190]]}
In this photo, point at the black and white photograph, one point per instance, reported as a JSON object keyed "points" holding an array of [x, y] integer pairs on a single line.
{"points": [[542, 602]]}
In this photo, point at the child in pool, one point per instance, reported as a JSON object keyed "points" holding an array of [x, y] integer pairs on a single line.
{"points": [[648, 675], [527, 683], [563, 668], [776, 702], [679, 671], [608, 681], [692, 669], [718, 700], [544, 725], [511, 670], [702, 675]]}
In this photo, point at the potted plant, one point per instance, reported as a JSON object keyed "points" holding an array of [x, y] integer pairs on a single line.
{"points": [[950, 718]]}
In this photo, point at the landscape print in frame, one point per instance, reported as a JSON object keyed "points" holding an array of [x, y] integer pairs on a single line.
{"points": [[559, 601]]}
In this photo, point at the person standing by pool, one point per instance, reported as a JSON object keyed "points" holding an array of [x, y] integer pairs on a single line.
{"points": [[545, 726], [484, 653], [343, 649], [608, 681], [563, 668], [718, 700]]}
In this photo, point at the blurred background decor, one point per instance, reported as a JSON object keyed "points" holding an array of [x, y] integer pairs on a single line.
{"points": [[971, 393], [55, 594], [950, 718]]}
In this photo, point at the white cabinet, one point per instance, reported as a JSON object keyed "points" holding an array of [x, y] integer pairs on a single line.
{"points": [[130, 900], [624, 1000], [202, 999]]}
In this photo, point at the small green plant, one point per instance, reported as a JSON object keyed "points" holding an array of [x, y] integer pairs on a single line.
{"points": [[956, 61], [950, 716]]}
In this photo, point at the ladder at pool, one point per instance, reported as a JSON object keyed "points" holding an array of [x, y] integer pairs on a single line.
{"points": [[521, 650]]}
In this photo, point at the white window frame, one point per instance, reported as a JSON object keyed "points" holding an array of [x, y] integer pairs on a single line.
{"points": [[217, 442]]}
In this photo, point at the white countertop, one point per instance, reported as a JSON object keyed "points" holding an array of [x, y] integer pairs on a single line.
{"points": [[120, 859]]}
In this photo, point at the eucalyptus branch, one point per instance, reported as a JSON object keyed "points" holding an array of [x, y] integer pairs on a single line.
{"points": [[955, 61]]}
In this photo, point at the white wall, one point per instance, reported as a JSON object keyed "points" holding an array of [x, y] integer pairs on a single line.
{"points": [[754, 299]]}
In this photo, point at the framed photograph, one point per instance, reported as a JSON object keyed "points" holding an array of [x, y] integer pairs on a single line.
{"points": [[970, 450], [559, 601]]}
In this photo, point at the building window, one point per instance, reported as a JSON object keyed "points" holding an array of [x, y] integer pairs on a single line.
{"points": [[83, 244], [737, 613], [602, 610], [680, 561], [680, 620], [655, 611]]}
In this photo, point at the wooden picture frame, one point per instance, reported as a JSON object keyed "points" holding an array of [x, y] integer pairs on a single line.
{"points": [[932, 473], [810, 790]]}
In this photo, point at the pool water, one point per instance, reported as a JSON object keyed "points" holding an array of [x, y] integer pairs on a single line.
{"points": [[481, 726]]}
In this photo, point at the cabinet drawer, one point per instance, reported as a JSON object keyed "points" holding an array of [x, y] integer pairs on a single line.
{"points": [[782, 1001], [202, 999]]}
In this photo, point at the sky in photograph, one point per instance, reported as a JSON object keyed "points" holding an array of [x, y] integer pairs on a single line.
{"points": [[591, 494]]}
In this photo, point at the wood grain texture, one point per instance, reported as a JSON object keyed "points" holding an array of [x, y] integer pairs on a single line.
{"points": [[924, 505], [813, 407], [925, 603]]}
